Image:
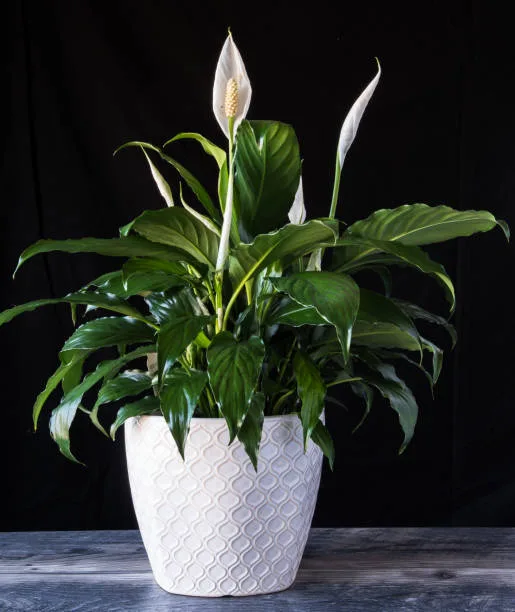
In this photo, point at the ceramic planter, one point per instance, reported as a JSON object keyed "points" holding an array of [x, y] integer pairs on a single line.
{"points": [[211, 526]]}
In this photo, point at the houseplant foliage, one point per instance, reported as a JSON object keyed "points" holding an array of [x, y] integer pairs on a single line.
{"points": [[231, 303]]}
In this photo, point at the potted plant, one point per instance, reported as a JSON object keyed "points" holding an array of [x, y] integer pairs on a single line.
{"points": [[223, 332]]}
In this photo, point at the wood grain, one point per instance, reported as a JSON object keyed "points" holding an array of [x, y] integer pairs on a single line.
{"points": [[372, 570]]}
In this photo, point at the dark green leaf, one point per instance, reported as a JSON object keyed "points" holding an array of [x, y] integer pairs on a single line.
{"points": [[109, 331], [416, 312], [130, 382], [251, 430], [334, 296], [234, 368], [179, 229], [419, 224], [179, 398], [172, 304], [211, 149], [267, 172], [321, 437], [147, 405], [290, 312], [127, 246], [62, 416], [90, 298], [174, 337], [386, 335], [362, 390], [311, 390]]}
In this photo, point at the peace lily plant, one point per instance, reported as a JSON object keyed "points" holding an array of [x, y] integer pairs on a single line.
{"points": [[248, 309]]}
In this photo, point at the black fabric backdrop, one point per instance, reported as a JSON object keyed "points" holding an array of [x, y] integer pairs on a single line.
{"points": [[83, 77]]}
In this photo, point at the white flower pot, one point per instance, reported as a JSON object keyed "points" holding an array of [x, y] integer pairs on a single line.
{"points": [[211, 526]]}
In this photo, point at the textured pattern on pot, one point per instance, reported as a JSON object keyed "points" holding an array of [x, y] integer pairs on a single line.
{"points": [[212, 526]]}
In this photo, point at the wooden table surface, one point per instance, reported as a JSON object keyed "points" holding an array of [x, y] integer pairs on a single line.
{"points": [[372, 570]]}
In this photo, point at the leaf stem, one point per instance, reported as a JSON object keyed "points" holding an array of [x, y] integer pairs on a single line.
{"points": [[343, 380]]}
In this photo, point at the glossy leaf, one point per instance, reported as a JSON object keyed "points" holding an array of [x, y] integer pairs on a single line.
{"points": [[251, 430], [419, 224], [210, 148], [386, 335], [365, 392], [311, 390], [109, 331], [179, 398], [334, 296], [375, 308], [211, 226], [267, 174], [126, 384], [146, 405], [57, 377], [233, 369], [62, 416], [179, 229], [174, 337], [417, 312], [286, 244], [172, 304], [89, 298], [322, 438], [291, 312], [230, 66], [126, 246]]}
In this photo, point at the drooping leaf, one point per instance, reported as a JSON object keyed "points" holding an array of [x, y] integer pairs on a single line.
{"points": [[174, 336], [147, 405], [109, 331], [419, 224], [211, 225], [322, 438], [311, 390], [267, 174], [89, 298], [230, 66], [138, 265], [286, 244], [210, 148], [251, 430], [367, 252], [53, 382], [179, 398], [193, 183], [417, 312], [386, 335], [74, 374], [334, 296], [365, 392], [291, 312], [62, 416], [126, 246], [172, 304], [374, 308], [233, 369], [178, 229]]}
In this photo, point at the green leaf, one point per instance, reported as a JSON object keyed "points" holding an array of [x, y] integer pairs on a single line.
{"points": [[374, 307], [419, 224], [350, 260], [90, 298], [74, 374], [311, 390], [174, 337], [172, 304], [210, 148], [398, 394], [142, 265], [286, 244], [192, 182], [416, 312], [322, 438], [53, 382], [126, 246], [147, 405], [267, 173], [179, 229], [290, 312], [109, 331], [334, 296], [386, 335], [179, 398], [251, 430], [233, 369], [364, 391], [62, 416]]}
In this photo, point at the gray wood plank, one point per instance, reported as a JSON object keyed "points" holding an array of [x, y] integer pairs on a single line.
{"points": [[372, 570]]}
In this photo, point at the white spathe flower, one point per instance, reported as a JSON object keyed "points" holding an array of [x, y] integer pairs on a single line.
{"points": [[231, 80], [351, 123], [297, 212]]}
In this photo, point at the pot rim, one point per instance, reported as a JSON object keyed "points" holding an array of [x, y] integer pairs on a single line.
{"points": [[212, 419]]}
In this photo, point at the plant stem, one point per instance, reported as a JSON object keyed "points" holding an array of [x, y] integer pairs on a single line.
{"points": [[343, 380], [336, 188]]}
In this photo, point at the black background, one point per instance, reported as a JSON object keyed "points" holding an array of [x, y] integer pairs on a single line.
{"points": [[82, 77]]}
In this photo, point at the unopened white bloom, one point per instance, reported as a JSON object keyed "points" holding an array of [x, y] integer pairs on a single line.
{"points": [[297, 212]]}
